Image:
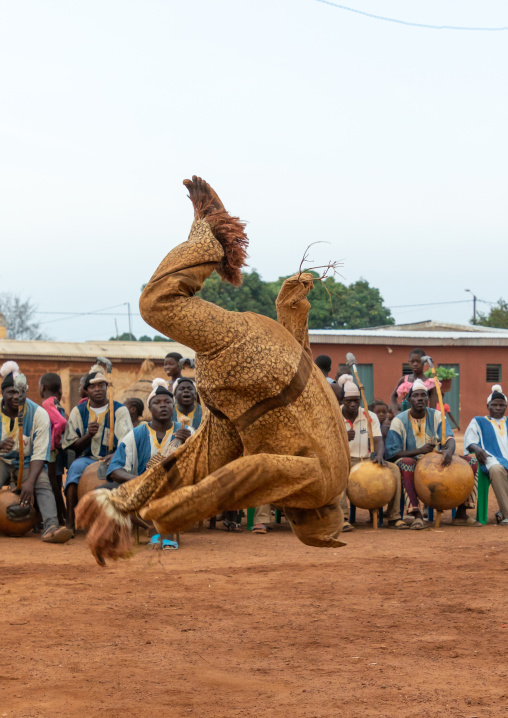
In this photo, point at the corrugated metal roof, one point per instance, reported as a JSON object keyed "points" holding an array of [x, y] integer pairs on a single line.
{"points": [[393, 336], [14, 349]]}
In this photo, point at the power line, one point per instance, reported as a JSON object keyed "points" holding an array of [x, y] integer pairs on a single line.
{"points": [[69, 315], [411, 24]]}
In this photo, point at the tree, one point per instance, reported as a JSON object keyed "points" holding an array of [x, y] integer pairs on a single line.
{"points": [[333, 304], [20, 317], [253, 295], [497, 317], [125, 337], [145, 338]]}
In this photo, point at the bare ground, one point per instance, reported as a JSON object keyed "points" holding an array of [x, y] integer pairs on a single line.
{"points": [[394, 624]]}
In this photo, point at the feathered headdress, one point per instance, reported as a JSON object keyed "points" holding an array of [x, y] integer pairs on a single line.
{"points": [[9, 371], [159, 386]]}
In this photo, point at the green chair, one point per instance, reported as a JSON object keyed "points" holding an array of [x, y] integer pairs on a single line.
{"points": [[483, 494]]}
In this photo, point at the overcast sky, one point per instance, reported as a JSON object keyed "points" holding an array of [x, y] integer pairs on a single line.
{"points": [[313, 123]]}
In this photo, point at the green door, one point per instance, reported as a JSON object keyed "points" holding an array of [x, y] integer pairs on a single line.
{"points": [[366, 374], [452, 397]]}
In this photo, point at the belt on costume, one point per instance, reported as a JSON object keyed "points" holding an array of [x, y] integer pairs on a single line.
{"points": [[287, 396]]}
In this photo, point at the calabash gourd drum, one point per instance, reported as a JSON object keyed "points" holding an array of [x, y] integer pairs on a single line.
{"points": [[370, 485], [443, 487], [93, 477], [15, 520]]}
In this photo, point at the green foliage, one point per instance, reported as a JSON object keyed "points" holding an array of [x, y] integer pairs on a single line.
{"points": [[160, 338], [145, 338], [125, 337], [442, 373], [333, 304], [497, 317]]}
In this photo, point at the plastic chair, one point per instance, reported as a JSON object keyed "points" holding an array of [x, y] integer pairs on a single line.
{"points": [[483, 494]]}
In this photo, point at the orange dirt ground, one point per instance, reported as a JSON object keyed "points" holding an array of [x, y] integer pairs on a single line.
{"points": [[394, 624]]}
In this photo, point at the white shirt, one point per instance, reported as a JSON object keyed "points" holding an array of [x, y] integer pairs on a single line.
{"points": [[359, 447]]}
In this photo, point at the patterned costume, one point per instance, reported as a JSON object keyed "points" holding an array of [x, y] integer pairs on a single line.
{"points": [[273, 430]]}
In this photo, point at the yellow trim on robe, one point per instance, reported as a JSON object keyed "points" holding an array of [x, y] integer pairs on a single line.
{"points": [[419, 427], [159, 445], [180, 415], [501, 425]]}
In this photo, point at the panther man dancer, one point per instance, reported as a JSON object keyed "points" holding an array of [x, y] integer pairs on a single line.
{"points": [[273, 432]]}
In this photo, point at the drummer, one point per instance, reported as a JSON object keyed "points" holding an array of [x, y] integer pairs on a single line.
{"points": [[359, 448], [146, 441], [87, 433], [487, 437], [36, 451], [413, 434]]}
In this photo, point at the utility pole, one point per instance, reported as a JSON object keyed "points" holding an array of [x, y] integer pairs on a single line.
{"points": [[129, 314], [474, 304]]}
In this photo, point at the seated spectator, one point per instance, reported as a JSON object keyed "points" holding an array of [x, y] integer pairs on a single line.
{"points": [[50, 390], [146, 442], [83, 398], [325, 364], [172, 368], [186, 402], [487, 437], [400, 393], [262, 517], [414, 433], [36, 451], [380, 409], [359, 448], [87, 433], [343, 370], [136, 410]]}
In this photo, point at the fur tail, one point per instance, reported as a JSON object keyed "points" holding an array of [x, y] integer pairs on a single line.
{"points": [[109, 530], [230, 232]]}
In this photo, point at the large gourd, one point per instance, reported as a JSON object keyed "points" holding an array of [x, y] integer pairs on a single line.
{"points": [[93, 477], [370, 486], [443, 487], [14, 519]]}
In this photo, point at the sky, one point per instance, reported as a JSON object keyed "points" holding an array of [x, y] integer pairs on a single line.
{"points": [[389, 142]]}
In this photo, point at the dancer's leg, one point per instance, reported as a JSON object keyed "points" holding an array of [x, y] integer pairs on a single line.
{"points": [[294, 481]]}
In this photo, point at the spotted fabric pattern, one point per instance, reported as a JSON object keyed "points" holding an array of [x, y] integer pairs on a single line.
{"points": [[275, 433]]}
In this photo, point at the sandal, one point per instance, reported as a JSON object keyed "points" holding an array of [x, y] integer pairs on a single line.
{"points": [[470, 521], [347, 527], [418, 525], [57, 534], [168, 545], [232, 526], [397, 524], [259, 529]]}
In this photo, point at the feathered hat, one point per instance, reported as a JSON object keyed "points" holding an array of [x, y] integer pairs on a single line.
{"points": [[9, 371], [95, 376], [159, 386], [497, 393]]}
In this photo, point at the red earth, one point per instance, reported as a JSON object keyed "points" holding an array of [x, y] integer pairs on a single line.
{"points": [[394, 624]]}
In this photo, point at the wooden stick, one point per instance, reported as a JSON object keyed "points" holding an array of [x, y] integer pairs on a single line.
{"points": [[438, 519], [20, 385], [374, 518], [365, 408]]}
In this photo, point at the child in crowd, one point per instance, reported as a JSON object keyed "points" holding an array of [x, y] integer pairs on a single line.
{"points": [[405, 383], [50, 390], [172, 368], [381, 410], [136, 410]]}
